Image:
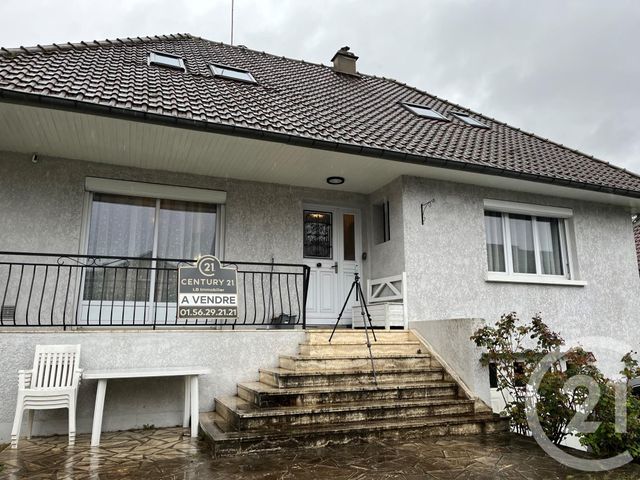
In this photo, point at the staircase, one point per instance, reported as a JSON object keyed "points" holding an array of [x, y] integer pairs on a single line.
{"points": [[327, 395]]}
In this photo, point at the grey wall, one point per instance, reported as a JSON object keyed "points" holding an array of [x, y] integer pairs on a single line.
{"points": [[445, 259], [446, 264], [387, 258], [450, 340], [263, 220], [232, 356], [41, 210]]}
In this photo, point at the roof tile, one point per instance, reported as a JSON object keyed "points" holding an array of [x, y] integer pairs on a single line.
{"points": [[290, 97]]}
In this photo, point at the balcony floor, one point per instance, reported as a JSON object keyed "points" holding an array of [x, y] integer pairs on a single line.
{"points": [[164, 454]]}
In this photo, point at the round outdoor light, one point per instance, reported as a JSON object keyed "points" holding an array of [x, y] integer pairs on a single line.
{"points": [[335, 180]]}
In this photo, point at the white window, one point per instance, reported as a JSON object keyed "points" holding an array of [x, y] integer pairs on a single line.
{"points": [[153, 227], [424, 111], [469, 120], [527, 243], [163, 59], [232, 73]]}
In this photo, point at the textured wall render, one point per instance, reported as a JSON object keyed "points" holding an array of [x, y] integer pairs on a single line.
{"points": [[387, 258], [446, 264], [263, 220], [233, 356]]}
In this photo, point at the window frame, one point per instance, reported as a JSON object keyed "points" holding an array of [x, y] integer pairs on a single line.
{"points": [[413, 108], [154, 59], [469, 120], [332, 232], [213, 66], [381, 226], [567, 247], [157, 192]]}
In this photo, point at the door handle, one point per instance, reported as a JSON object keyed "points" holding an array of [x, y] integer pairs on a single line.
{"points": [[319, 265], [335, 266]]}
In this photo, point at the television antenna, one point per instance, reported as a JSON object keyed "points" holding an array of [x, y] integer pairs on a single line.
{"points": [[232, 12]]}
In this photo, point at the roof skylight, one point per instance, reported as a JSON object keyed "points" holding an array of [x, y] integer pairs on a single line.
{"points": [[166, 60], [232, 73], [469, 120], [423, 111]]}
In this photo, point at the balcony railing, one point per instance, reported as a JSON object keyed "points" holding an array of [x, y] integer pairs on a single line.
{"points": [[54, 290]]}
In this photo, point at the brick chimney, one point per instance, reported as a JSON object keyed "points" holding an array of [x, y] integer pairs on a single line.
{"points": [[345, 62]]}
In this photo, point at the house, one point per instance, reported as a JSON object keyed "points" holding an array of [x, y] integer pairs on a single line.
{"points": [[121, 160], [636, 236]]}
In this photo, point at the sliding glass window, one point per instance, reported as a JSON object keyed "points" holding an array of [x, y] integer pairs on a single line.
{"points": [[144, 228]]}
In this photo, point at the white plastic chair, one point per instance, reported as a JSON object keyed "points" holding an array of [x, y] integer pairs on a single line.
{"points": [[52, 383]]}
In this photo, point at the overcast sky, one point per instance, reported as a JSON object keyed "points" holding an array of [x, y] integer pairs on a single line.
{"points": [[566, 70]]}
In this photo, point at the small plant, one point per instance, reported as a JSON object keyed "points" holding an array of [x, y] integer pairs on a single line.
{"points": [[515, 349], [148, 426]]}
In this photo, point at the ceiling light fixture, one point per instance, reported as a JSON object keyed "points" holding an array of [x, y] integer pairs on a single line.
{"points": [[335, 180]]}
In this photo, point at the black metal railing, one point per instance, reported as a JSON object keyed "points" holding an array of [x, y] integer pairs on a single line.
{"points": [[55, 290]]}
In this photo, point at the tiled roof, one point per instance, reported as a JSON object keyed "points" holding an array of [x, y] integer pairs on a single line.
{"points": [[296, 99]]}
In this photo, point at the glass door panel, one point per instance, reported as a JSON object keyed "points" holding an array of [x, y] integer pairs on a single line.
{"points": [[349, 236], [318, 234], [120, 226], [123, 227], [141, 290], [186, 230]]}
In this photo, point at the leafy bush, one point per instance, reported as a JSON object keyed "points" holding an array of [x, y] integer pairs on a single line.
{"points": [[605, 441], [517, 348]]}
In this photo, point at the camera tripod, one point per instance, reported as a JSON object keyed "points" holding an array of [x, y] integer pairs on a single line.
{"points": [[364, 310]]}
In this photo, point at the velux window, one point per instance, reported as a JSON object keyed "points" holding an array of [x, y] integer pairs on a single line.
{"points": [[526, 244], [424, 111], [232, 73], [469, 120], [166, 60]]}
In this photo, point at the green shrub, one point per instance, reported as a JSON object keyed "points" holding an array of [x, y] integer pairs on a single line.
{"points": [[516, 348], [605, 441]]}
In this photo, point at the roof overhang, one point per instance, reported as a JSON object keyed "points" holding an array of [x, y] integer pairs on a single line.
{"points": [[133, 139]]}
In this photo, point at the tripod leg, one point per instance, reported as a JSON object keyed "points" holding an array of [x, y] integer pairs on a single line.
{"points": [[366, 331], [366, 309], [342, 311]]}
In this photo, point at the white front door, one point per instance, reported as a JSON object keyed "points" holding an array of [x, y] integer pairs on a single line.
{"points": [[331, 247]]}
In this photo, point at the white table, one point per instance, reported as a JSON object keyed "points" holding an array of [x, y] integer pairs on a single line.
{"points": [[190, 374]]}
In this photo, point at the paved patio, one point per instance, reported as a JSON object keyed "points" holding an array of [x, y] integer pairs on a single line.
{"points": [[168, 454]]}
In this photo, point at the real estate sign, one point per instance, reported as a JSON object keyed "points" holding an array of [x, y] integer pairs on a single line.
{"points": [[207, 290]]}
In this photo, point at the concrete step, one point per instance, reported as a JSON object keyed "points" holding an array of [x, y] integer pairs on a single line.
{"points": [[349, 336], [282, 378], [305, 363], [242, 415], [263, 395], [359, 347], [224, 441]]}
